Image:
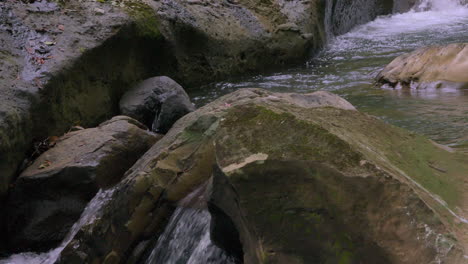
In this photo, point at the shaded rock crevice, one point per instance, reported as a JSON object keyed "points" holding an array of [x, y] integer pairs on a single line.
{"points": [[89, 91]]}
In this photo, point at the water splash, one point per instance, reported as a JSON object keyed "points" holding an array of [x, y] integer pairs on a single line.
{"points": [[90, 213], [186, 240]]}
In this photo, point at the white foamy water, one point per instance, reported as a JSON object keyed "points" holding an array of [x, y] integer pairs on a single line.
{"points": [[439, 4], [391, 35], [90, 213], [186, 240]]}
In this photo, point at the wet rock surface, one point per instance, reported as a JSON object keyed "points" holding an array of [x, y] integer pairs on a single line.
{"points": [[343, 15], [295, 176], [49, 196], [212, 39], [429, 67], [156, 102]]}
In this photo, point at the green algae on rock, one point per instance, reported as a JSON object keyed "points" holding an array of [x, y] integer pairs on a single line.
{"points": [[312, 179]]}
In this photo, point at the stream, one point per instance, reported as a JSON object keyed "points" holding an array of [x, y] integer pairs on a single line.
{"points": [[350, 62], [347, 66]]}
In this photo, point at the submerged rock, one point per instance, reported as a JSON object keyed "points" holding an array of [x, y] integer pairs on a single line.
{"points": [[50, 195], [302, 179], [433, 67], [156, 102]]}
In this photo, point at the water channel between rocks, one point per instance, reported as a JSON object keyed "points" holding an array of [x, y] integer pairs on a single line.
{"points": [[349, 64]]}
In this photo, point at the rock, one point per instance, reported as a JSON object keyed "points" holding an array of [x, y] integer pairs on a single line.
{"points": [[402, 6], [46, 89], [343, 15], [50, 195], [68, 63], [436, 67], [302, 179], [215, 39], [157, 102]]}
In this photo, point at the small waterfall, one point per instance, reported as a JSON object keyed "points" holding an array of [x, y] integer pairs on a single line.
{"points": [[186, 239], [90, 213], [342, 15], [439, 5]]}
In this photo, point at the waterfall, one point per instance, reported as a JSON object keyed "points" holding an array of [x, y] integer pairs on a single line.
{"points": [[90, 213], [186, 240], [439, 5], [342, 15]]}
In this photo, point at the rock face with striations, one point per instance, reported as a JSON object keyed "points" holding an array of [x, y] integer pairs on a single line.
{"points": [[436, 67], [50, 195], [302, 178], [156, 102]]}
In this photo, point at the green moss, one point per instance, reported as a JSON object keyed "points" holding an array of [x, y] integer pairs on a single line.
{"points": [[146, 22], [291, 203], [6, 56], [261, 130], [437, 170], [143, 15]]}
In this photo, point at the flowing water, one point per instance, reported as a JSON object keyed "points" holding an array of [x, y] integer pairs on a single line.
{"points": [[186, 240], [347, 67], [89, 214], [351, 61]]}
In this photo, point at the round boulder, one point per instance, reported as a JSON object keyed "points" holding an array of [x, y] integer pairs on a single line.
{"points": [[157, 102]]}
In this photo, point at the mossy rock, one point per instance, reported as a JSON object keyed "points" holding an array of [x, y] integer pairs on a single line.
{"points": [[304, 179]]}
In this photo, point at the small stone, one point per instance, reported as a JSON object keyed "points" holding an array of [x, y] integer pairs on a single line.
{"points": [[99, 11]]}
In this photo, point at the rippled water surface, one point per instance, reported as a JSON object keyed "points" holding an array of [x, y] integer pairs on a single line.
{"points": [[350, 63]]}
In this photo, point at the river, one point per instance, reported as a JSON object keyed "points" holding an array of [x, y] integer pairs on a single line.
{"points": [[349, 63]]}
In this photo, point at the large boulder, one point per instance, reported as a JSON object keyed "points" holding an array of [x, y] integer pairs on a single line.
{"points": [[302, 178], [436, 67], [69, 62], [50, 195], [212, 39], [156, 102], [66, 63]]}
